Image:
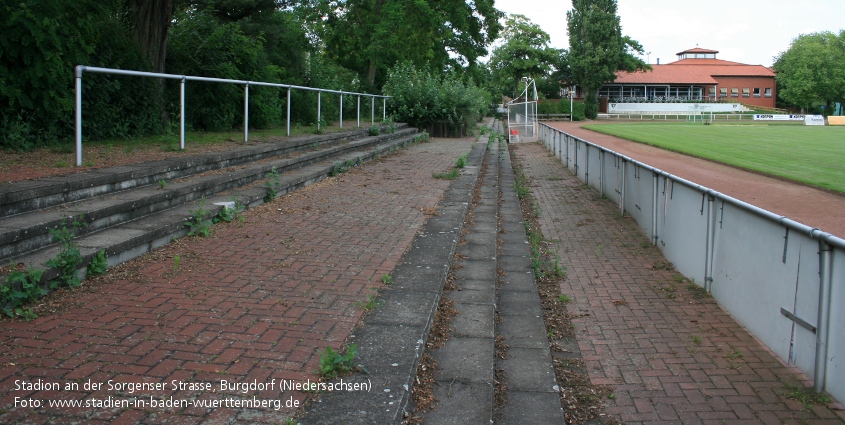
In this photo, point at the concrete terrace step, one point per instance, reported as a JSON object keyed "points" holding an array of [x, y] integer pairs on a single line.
{"points": [[26, 232], [19, 197], [126, 229]]}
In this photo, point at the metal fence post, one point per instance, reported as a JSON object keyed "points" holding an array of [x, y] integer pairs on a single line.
{"points": [[246, 112], [622, 189], [384, 109], [182, 112], [359, 111], [709, 240], [823, 322], [288, 107], [654, 194], [602, 153], [319, 111], [373, 113], [587, 165], [78, 78], [341, 109]]}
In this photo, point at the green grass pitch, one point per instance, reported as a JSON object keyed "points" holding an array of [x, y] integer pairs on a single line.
{"points": [[812, 155]]}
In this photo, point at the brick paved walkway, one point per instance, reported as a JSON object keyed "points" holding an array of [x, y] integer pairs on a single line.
{"points": [[670, 355], [255, 301]]}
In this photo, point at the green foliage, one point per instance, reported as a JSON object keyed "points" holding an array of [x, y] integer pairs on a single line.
{"points": [[462, 161], [342, 167], [333, 363], [176, 260], [561, 107], [41, 42], [449, 175], [19, 289], [597, 48], [197, 224], [98, 264], [199, 44], [422, 98], [69, 259], [369, 36], [272, 183], [525, 53], [386, 279], [374, 131], [810, 72]]}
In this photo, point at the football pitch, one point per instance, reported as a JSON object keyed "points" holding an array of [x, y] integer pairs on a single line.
{"points": [[812, 155]]}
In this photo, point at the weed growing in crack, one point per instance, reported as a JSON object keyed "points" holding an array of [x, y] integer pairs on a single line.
{"points": [[69, 258], [176, 260], [19, 289], [333, 363], [450, 175], [197, 224], [98, 264], [386, 279], [272, 183], [371, 303]]}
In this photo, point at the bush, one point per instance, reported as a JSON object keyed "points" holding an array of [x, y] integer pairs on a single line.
{"points": [[201, 45], [421, 98], [41, 41]]}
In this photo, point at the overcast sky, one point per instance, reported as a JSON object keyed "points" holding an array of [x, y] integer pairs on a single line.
{"points": [[744, 31]]}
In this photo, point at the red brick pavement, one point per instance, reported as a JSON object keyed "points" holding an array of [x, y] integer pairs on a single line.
{"points": [[669, 356], [256, 301]]}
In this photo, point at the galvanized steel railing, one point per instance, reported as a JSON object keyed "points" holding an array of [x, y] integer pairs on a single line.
{"points": [[184, 78], [746, 258]]}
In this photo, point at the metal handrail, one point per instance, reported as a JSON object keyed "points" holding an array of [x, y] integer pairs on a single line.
{"points": [[184, 78]]}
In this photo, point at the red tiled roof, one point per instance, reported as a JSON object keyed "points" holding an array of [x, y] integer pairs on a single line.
{"points": [[692, 71], [665, 74], [698, 50]]}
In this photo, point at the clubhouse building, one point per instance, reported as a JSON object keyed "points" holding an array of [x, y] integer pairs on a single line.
{"points": [[697, 76]]}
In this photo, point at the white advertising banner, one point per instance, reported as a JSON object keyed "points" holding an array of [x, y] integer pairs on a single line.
{"points": [[778, 117], [672, 108], [813, 120]]}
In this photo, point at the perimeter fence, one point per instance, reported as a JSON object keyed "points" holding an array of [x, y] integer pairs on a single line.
{"points": [[183, 79], [781, 279]]}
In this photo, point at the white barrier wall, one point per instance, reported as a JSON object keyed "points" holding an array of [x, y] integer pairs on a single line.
{"points": [[647, 108], [782, 280]]}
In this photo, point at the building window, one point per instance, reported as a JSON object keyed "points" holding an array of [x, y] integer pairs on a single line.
{"points": [[767, 92], [757, 92], [723, 92], [746, 93], [734, 92]]}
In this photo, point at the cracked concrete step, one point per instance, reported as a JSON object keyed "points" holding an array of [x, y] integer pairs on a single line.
{"points": [[124, 241], [19, 197], [30, 231]]}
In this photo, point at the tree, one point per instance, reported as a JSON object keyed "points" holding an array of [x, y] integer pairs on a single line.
{"points": [[369, 36], [597, 48], [525, 53], [810, 72]]}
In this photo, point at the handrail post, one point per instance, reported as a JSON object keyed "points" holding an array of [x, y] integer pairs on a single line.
{"points": [[384, 109], [182, 113], [359, 111], [288, 118], [341, 109], [823, 322], [246, 112], [319, 111], [373, 113], [78, 78]]}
